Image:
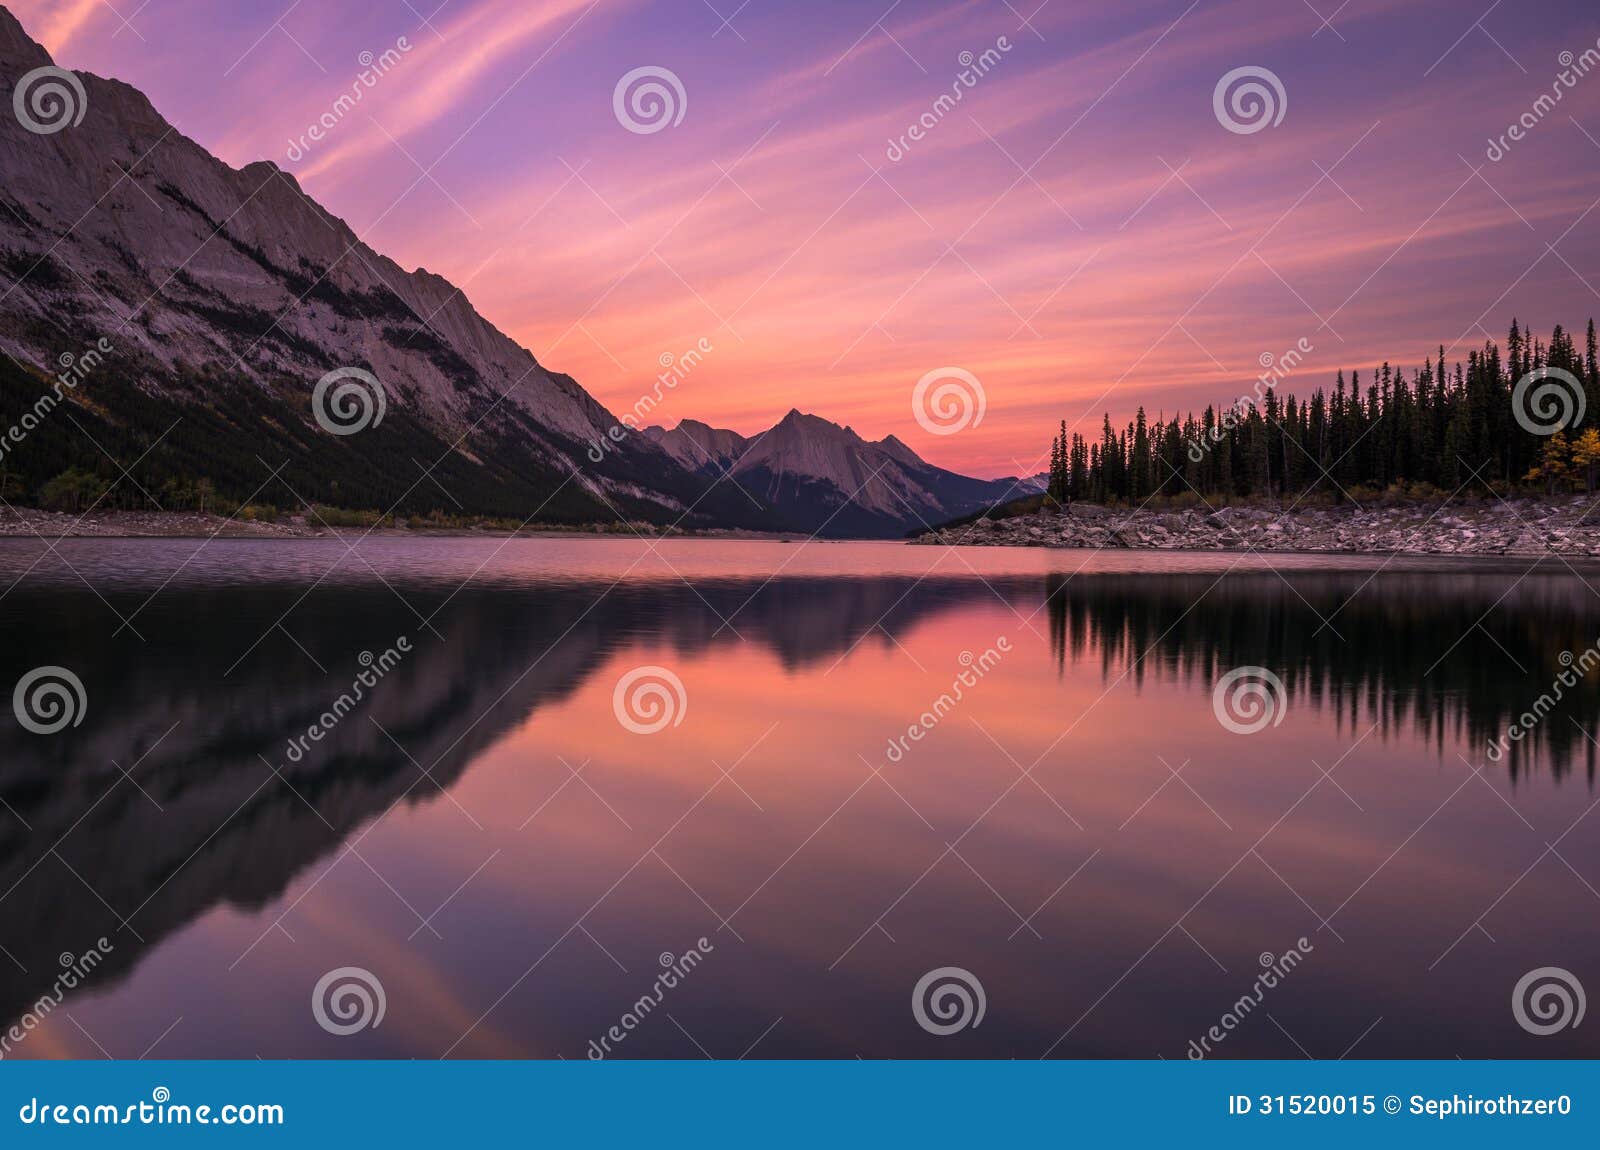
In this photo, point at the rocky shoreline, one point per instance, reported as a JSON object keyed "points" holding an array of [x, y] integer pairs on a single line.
{"points": [[29, 523], [1567, 526], [32, 523], [1517, 527]]}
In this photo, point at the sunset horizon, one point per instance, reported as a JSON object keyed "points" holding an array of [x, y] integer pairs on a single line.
{"points": [[1103, 248]]}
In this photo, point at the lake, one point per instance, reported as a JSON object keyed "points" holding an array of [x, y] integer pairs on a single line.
{"points": [[557, 797]]}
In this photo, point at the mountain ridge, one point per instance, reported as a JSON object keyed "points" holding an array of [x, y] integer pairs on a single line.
{"points": [[228, 296], [820, 476], [225, 294]]}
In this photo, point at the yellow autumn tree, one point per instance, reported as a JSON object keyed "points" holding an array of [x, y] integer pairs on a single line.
{"points": [[1586, 456], [1555, 464]]}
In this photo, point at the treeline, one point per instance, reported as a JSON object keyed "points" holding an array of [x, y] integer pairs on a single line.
{"points": [[1417, 435], [222, 456], [1383, 664], [206, 440]]}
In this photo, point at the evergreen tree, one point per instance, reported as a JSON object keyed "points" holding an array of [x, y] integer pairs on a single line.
{"points": [[1442, 427]]}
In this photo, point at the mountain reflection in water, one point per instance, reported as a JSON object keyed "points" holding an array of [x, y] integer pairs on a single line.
{"points": [[175, 822]]}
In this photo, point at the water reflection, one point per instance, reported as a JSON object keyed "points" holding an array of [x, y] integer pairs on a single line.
{"points": [[178, 801], [187, 790], [1463, 654]]}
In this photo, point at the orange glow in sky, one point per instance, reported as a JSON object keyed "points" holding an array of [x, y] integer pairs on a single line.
{"points": [[1079, 230]]}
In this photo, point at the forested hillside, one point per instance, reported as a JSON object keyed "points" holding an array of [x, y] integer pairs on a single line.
{"points": [[1527, 416]]}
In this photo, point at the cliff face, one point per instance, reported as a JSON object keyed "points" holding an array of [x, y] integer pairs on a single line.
{"points": [[233, 290]]}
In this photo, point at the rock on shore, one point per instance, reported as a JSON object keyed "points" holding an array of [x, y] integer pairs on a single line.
{"points": [[32, 523], [1479, 527], [29, 522]]}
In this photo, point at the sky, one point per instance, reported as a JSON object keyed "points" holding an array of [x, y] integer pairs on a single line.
{"points": [[1085, 231]]}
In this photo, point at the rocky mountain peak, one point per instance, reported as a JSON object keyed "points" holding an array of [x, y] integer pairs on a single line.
{"points": [[821, 476], [228, 293], [229, 290], [17, 48]]}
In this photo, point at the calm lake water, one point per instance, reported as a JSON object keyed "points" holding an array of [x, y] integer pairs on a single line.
{"points": [[491, 836]]}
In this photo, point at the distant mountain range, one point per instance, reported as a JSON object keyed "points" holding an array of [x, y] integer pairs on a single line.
{"points": [[818, 476], [200, 305]]}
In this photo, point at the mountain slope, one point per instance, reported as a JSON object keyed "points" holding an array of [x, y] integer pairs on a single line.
{"points": [[201, 305], [698, 446], [822, 478]]}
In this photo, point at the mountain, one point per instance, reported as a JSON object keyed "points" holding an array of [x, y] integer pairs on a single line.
{"points": [[699, 446], [821, 478], [195, 307], [182, 315]]}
